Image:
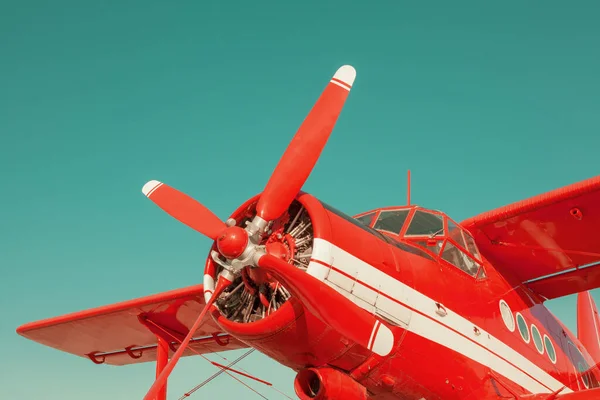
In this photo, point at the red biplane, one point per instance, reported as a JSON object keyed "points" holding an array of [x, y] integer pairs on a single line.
{"points": [[394, 303]]}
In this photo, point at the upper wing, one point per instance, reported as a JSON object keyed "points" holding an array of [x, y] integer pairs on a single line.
{"points": [[556, 232], [125, 333]]}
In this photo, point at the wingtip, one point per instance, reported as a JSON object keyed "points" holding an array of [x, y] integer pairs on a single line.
{"points": [[150, 186], [21, 329], [346, 74]]}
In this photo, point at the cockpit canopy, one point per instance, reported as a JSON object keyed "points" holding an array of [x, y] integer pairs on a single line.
{"points": [[431, 230]]}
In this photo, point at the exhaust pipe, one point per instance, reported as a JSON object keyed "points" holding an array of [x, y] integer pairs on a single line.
{"points": [[327, 383]]}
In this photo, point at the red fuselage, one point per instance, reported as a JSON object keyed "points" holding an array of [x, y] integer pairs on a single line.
{"points": [[450, 339]]}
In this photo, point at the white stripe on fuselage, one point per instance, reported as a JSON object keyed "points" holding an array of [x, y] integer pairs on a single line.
{"points": [[374, 290]]}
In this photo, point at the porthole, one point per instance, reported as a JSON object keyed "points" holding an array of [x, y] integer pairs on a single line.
{"points": [[507, 316], [584, 377], [550, 349], [537, 339], [523, 328]]}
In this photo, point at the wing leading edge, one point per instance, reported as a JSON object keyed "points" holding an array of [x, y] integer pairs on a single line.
{"points": [[126, 333], [549, 241]]}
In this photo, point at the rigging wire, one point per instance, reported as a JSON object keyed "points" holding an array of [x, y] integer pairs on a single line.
{"points": [[281, 393], [202, 355], [224, 368], [216, 374]]}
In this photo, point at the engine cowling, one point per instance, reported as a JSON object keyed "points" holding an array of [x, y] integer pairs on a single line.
{"points": [[255, 294], [327, 383], [283, 329]]}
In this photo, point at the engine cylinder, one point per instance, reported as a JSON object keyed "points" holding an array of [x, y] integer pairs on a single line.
{"points": [[327, 383]]}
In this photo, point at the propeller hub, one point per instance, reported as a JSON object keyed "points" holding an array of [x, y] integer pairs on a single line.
{"points": [[232, 242]]}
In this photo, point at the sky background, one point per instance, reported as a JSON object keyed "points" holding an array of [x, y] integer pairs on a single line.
{"points": [[485, 103]]}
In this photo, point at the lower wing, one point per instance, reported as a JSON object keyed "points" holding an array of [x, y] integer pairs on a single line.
{"points": [[127, 332], [591, 394]]}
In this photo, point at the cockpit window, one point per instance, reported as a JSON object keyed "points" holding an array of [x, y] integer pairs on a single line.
{"points": [[391, 220], [455, 233], [425, 224], [459, 259], [471, 246], [463, 239], [481, 274], [353, 221], [366, 219]]}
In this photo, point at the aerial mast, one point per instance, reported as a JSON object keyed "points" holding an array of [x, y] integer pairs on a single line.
{"points": [[408, 189]]}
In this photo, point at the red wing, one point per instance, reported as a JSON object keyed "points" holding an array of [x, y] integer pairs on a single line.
{"points": [[547, 234], [590, 394], [122, 333]]}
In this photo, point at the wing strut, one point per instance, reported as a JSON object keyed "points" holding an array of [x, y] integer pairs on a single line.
{"points": [[223, 368], [162, 359]]}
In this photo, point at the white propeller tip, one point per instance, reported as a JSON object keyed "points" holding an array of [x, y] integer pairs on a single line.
{"points": [[150, 187], [346, 74]]}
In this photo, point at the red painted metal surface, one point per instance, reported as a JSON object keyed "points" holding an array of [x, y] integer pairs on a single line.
{"points": [[588, 325], [161, 379], [232, 242], [357, 325], [592, 394], [372, 315], [575, 281], [327, 383], [297, 338], [550, 233], [162, 358], [184, 209], [303, 152], [105, 332]]}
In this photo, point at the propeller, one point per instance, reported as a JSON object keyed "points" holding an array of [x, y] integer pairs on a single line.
{"points": [[303, 152], [184, 209], [241, 246]]}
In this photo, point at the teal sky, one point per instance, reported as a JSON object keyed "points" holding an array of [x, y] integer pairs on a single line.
{"points": [[486, 103]]}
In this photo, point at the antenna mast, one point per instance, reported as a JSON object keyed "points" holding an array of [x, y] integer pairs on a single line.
{"points": [[408, 190]]}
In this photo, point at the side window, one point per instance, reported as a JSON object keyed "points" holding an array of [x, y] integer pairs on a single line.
{"points": [[366, 219], [353, 221], [463, 239], [407, 248], [459, 259], [471, 246], [455, 233], [391, 220], [425, 224], [481, 274]]}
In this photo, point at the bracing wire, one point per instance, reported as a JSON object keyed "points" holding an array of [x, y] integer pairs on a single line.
{"points": [[243, 370], [202, 355], [216, 374]]}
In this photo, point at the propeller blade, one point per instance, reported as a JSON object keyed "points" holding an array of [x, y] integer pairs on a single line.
{"points": [[184, 209], [305, 148], [325, 303], [160, 381]]}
